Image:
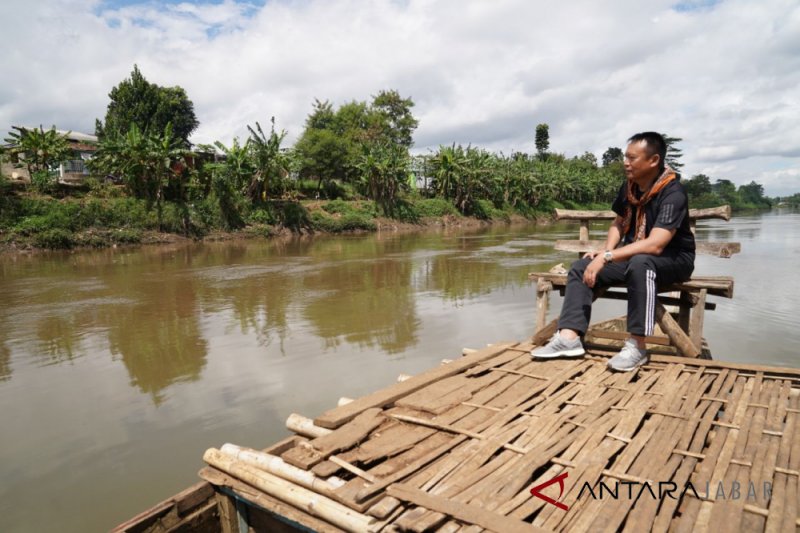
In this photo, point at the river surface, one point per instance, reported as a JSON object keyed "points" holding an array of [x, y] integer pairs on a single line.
{"points": [[119, 367]]}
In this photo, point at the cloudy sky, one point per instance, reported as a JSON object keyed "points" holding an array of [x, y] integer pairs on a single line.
{"points": [[722, 75]]}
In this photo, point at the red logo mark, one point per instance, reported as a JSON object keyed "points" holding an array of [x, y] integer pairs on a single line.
{"points": [[560, 479]]}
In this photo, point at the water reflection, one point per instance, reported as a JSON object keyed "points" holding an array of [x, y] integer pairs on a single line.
{"points": [[364, 305], [159, 338]]}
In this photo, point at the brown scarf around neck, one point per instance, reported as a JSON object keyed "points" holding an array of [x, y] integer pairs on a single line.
{"points": [[666, 176]]}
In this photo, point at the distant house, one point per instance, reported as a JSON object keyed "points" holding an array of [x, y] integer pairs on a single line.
{"points": [[83, 147]]}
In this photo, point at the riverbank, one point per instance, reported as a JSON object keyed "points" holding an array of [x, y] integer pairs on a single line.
{"points": [[31, 223]]}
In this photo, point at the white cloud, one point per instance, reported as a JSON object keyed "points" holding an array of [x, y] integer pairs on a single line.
{"points": [[721, 76]]}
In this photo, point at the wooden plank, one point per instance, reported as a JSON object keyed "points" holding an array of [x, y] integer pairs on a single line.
{"points": [[339, 415], [774, 371], [781, 504], [227, 513], [469, 514], [204, 520], [712, 248], [716, 285], [191, 496], [307, 455]]}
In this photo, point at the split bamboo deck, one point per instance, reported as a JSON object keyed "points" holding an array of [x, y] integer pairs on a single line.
{"points": [[459, 448]]}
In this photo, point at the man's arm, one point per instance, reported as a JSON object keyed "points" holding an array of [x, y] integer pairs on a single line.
{"points": [[612, 240], [654, 244]]}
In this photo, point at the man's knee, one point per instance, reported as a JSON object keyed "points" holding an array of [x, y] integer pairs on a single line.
{"points": [[638, 264], [579, 267]]}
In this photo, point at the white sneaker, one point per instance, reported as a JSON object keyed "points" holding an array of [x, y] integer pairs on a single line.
{"points": [[559, 347], [629, 358]]}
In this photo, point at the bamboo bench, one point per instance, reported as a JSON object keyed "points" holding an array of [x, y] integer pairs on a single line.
{"points": [[685, 330]]}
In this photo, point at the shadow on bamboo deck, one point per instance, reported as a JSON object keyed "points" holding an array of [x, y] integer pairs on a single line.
{"points": [[681, 444]]}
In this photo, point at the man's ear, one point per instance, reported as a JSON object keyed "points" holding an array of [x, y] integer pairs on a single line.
{"points": [[655, 159]]}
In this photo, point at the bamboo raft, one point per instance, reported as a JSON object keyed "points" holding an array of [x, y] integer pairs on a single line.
{"points": [[497, 441], [459, 448]]}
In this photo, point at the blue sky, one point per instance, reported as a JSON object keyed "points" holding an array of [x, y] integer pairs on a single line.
{"points": [[721, 75]]}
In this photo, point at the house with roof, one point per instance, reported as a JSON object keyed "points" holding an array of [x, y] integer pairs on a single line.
{"points": [[74, 170]]}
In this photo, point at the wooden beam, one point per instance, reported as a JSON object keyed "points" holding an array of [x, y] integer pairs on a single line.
{"points": [[584, 231], [545, 333], [696, 320], [543, 288], [336, 417], [622, 335], [722, 212], [678, 337]]}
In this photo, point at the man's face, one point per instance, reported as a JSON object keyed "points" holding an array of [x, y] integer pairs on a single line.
{"points": [[640, 165]]}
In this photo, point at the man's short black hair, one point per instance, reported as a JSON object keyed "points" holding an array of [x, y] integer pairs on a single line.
{"points": [[655, 144]]}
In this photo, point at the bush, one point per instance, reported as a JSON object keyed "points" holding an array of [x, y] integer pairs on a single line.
{"points": [[126, 236], [485, 210], [261, 216], [365, 208], [55, 239], [435, 207], [43, 182], [294, 216], [349, 222]]}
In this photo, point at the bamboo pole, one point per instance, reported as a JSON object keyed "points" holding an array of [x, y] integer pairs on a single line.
{"points": [[304, 499], [305, 426], [276, 465]]}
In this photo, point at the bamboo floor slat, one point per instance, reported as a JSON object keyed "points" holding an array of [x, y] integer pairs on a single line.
{"points": [[680, 444]]}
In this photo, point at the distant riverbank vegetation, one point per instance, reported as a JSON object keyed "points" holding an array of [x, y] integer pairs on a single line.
{"points": [[350, 169]]}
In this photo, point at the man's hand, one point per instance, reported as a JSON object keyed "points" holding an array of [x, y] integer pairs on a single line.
{"points": [[594, 268]]}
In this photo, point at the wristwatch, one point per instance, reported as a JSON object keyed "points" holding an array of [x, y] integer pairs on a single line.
{"points": [[608, 256]]}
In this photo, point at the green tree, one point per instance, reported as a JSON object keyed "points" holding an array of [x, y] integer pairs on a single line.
{"points": [[612, 155], [323, 151], [151, 107], [698, 185], [542, 140], [334, 141], [397, 123], [726, 191], [149, 162], [753, 193], [384, 171], [229, 180], [270, 162], [673, 152]]}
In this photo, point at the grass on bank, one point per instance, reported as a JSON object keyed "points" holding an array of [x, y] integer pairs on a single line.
{"points": [[102, 216]]}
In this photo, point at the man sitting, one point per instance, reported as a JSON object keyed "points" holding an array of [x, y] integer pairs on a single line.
{"points": [[656, 246]]}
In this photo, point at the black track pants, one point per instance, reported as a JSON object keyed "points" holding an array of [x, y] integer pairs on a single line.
{"points": [[642, 275]]}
